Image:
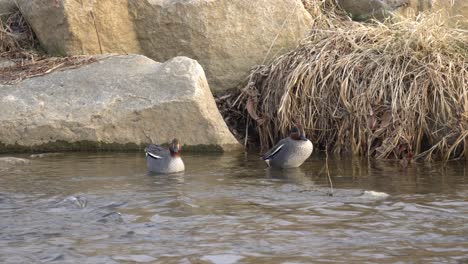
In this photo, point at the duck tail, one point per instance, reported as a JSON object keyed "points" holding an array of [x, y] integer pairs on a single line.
{"points": [[152, 151]]}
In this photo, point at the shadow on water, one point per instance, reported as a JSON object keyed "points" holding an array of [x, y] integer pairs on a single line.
{"points": [[106, 208]]}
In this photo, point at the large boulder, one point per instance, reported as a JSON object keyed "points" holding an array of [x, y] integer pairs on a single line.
{"points": [[371, 9], [70, 27], [226, 37], [118, 102]]}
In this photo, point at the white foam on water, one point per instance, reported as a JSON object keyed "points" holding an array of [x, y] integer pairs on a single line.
{"points": [[222, 259], [135, 258], [374, 194]]}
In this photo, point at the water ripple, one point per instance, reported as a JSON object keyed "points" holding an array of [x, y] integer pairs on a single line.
{"points": [[106, 209]]}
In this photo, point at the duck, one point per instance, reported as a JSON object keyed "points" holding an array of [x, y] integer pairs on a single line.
{"points": [[164, 160], [290, 152]]}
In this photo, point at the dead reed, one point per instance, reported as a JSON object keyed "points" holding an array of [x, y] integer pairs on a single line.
{"points": [[387, 90]]}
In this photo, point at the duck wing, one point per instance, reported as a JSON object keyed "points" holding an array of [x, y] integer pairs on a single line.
{"points": [[155, 151], [274, 150]]}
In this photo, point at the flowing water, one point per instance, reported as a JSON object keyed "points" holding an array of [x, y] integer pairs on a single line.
{"points": [[105, 208]]}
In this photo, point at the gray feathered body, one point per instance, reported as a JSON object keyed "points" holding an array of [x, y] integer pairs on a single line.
{"points": [[289, 153], [160, 160]]}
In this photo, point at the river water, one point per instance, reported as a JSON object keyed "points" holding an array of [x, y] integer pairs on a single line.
{"points": [[106, 208]]}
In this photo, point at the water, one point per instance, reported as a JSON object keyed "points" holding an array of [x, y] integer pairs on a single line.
{"points": [[105, 208]]}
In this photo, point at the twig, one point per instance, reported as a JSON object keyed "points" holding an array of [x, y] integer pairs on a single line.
{"points": [[55, 67]]}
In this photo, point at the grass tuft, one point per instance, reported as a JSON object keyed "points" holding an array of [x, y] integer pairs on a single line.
{"points": [[396, 89], [16, 36]]}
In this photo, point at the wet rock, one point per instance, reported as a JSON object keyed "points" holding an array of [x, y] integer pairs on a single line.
{"points": [[226, 37], [119, 102]]}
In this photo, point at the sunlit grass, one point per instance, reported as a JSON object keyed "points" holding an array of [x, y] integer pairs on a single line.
{"points": [[396, 89]]}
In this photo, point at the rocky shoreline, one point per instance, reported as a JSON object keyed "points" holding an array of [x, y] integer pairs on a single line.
{"points": [[124, 102], [146, 71]]}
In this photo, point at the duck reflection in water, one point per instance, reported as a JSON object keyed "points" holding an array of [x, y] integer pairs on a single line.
{"points": [[291, 175]]}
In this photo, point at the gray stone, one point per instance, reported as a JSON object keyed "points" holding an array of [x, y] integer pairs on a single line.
{"points": [[81, 27], [366, 9], [226, 37], [118, 102]]}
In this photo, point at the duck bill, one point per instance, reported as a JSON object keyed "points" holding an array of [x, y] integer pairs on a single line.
{"points": [[302, 137]]}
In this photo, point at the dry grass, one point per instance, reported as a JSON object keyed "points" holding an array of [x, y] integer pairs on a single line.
{"points": [[387, 90], [41, 66], [19, 46], [325, 13], [16, 36]]}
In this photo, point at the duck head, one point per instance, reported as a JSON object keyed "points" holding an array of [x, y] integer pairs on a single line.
{"points": [[297, 133], [175, 148]]}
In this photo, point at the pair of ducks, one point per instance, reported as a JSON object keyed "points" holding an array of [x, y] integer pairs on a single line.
{"points": [[289, 152]]}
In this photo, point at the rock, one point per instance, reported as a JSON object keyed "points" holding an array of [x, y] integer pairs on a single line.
{"points": [[119, 102], [81, 27], [361, 10], [226, 37]]}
